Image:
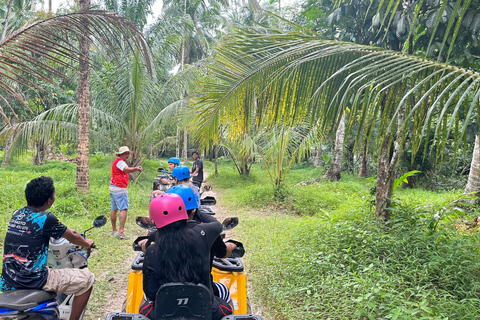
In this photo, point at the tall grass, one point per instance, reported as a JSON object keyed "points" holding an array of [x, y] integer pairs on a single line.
{"points": [[322, 255]]}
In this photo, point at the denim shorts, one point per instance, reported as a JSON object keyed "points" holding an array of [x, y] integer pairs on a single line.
{"points": [[119, 201]]}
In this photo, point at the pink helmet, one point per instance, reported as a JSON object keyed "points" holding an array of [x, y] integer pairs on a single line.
{"points": [[167, 208]]}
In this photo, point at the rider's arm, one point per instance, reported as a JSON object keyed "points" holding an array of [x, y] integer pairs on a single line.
{"points": [[230, 247], [203, 217], [75, 238]]}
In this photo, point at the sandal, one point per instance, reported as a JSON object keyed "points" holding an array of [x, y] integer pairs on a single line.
{"points": [[122, 236]]}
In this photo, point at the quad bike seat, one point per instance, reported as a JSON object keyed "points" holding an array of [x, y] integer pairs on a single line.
{"points": [[183, 299], [22, 300]]}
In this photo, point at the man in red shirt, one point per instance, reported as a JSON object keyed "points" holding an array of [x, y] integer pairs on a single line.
{"points": [[119, 192]]}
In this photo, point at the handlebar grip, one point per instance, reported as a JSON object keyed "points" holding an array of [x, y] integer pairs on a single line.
{"points": [[93, 246]]}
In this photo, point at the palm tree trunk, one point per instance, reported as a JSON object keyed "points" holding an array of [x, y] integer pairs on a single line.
{"points": [[83, 109], [7, 19], [473, 183], [335, 172], [185, 146], [384, 183], [316, 158], [177, 143], [364, 164], [216, 158], [8, 147], [387, 164]]}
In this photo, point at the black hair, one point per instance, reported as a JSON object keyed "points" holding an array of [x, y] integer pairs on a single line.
{"points": [[196, 153], [39, 190], [177, 255]]}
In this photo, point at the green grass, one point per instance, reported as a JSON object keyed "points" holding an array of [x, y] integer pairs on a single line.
{"points": [[111, 261], [320, 254]]}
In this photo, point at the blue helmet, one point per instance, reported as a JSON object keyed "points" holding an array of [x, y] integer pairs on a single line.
{"points": [[181, 172], [174, 160], [187, 195]]}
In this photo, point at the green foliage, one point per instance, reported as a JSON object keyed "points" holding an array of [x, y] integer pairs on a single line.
{"points": [[398, 182], [339, 263]]}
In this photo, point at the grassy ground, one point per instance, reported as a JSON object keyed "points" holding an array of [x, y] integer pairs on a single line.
{"points": [[317, 255], [112, 260], [321, 255]]}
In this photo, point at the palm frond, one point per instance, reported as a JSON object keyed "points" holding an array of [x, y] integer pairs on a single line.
{"points": [[33, 48], [291, 77]]}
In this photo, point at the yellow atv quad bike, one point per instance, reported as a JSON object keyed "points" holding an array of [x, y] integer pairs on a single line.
{"points": [[229, 271]]}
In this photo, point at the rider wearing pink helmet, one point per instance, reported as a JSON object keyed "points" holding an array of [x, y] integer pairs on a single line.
{"points": [[166, 209], [179, 251]]}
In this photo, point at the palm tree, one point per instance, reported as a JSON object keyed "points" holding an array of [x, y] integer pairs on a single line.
{"points": [[297, 78], [35, 49], [125, 110]]}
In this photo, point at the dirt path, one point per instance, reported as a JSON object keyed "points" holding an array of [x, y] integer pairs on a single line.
{"points": [[221, 213], [110, 291]]}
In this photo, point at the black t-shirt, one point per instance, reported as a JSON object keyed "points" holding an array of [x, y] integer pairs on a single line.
{"points": [[26, 248], [219, 249], [204, 235], [199, 176]]}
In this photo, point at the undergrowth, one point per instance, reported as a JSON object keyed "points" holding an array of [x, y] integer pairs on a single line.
{"points": [[324, 256], [319, 254]]}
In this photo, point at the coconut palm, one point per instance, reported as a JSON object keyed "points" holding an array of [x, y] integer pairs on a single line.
{"points": [[296, 78], [33, 51], [129, 107]]}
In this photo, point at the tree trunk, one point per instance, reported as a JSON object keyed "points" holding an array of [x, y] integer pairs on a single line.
{"points": [[364, 164], [177, 143], [316, 158], [83, 178], [216, 158], [335, 172], [384, 183], [387, 164], [40, 155], [8, 147], [473, 183], [7, 19], [185, 146]]}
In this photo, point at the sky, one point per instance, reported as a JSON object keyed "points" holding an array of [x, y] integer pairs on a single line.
{"points": [[157, 7]]}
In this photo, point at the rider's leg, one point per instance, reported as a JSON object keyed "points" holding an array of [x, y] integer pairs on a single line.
{"points": [[79, 304]]}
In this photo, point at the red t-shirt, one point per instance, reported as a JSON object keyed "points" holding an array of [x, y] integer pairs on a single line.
{"points": [[119, 178]]}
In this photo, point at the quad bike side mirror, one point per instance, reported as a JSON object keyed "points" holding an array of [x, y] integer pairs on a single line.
{"points": [[99, 221], [145, 223], [230, 223]]}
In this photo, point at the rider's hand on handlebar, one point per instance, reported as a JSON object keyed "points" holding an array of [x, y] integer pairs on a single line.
{"points": [[90, 242]]}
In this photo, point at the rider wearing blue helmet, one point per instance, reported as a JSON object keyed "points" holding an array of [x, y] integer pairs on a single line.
{"points": [[219, 248], [167, 182], [172, 164], [181, 175]]}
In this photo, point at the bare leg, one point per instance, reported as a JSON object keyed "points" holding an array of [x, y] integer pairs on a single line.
{"points": [[79, 304], [113, 219], [122, 216]]}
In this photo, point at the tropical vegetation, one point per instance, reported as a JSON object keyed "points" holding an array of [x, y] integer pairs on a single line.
{"points": [[384, 90]]}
